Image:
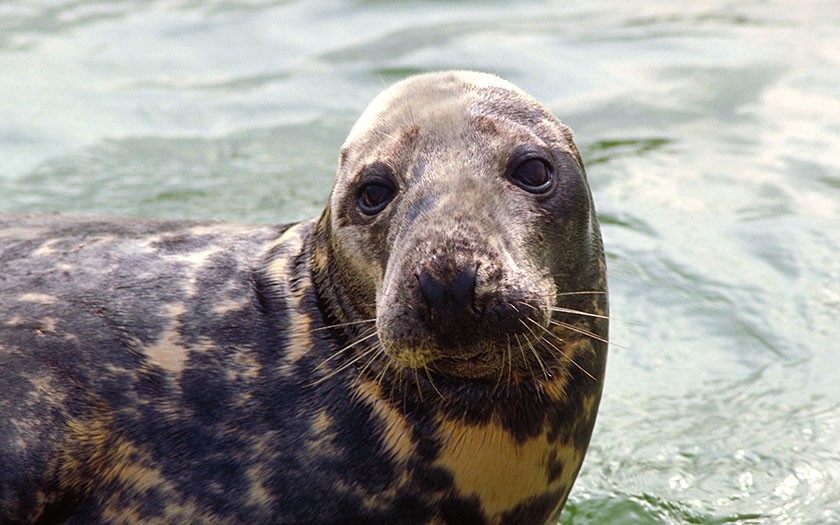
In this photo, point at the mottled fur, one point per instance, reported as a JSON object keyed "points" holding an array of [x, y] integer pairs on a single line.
{"points": [[174, 372]]}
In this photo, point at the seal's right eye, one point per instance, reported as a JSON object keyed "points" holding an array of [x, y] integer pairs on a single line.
{"points": [[374, 197], [533, 175], [376, 188]]}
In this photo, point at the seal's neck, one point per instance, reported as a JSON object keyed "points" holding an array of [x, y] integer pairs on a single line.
{"points": [[337, 293]]}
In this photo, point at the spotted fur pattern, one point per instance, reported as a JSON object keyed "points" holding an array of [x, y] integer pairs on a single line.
{"points": [[189, 372]]}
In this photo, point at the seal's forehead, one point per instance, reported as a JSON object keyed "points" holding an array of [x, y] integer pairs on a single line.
{"points": [[444, 98]]}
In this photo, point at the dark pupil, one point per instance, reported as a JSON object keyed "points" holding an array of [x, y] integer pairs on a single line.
{"points": [[373, 196], [532, 173]]}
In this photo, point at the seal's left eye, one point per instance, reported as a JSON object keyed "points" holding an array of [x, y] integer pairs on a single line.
{"points": [[533, 175], [374, 197]]}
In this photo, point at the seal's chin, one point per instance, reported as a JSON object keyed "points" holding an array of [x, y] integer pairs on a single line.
{"points": [[478, 362], [523, 357], [469, 363], [486, 365]]}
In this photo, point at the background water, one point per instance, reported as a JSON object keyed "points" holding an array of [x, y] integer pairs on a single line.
{"points": [[712, 139]]}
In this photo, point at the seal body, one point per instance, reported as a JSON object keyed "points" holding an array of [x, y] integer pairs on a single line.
{"points": [[431, 349]]}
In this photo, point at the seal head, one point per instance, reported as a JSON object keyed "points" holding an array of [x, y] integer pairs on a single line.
{"points": [[460, 216]]}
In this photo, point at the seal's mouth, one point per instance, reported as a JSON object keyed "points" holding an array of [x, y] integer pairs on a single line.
{"points": [[510, 363], [484, 365], [513, 355], [479, 361]]}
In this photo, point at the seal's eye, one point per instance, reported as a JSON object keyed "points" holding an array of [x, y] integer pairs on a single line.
{"points": [[533, 175], [374, 197]]}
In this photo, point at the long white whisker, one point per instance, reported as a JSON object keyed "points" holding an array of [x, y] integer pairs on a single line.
{"points": [[381, 375], [533, 350], [348, 347], [364, 369], [509, 351], [431, 382], [585, 332], [584, 292], [342, 325], [522, 353], [577, 312], [417, 382], [346, 365], [561, 352], [501, 368]]}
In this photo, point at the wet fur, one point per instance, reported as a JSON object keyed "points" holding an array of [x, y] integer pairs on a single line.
{"points": [[172, 372]]}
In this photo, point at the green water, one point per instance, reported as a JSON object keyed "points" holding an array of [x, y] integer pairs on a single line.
{"points": [[712, 138]]}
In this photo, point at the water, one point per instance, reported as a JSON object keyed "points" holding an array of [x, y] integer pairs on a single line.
{"points": [[712, 139]]}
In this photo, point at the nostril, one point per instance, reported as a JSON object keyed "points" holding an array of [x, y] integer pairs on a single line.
{"points": [[463, 289], [454, 297], [433, 291]]}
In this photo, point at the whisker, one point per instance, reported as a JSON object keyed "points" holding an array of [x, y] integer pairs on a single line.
{"points": [[560, 309], [431, 382], [403, 388], [533, 350], [522, 353], [346, 365], [363, 370], [502, 368], [577, 312], [417, 382], [509, 351], [587, 333], [611, 318], [565, 310], [381, 375], [342, 325], [561, 352], [348, 347], [529, 305]]}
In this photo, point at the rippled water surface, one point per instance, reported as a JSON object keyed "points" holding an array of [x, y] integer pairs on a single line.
{"points": [[712, 140]]}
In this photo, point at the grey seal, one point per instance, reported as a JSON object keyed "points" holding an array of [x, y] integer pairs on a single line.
{"points": [[431, 349]]}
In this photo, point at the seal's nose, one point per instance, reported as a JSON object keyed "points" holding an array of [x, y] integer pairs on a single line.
{"points": [[448, 300]]}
